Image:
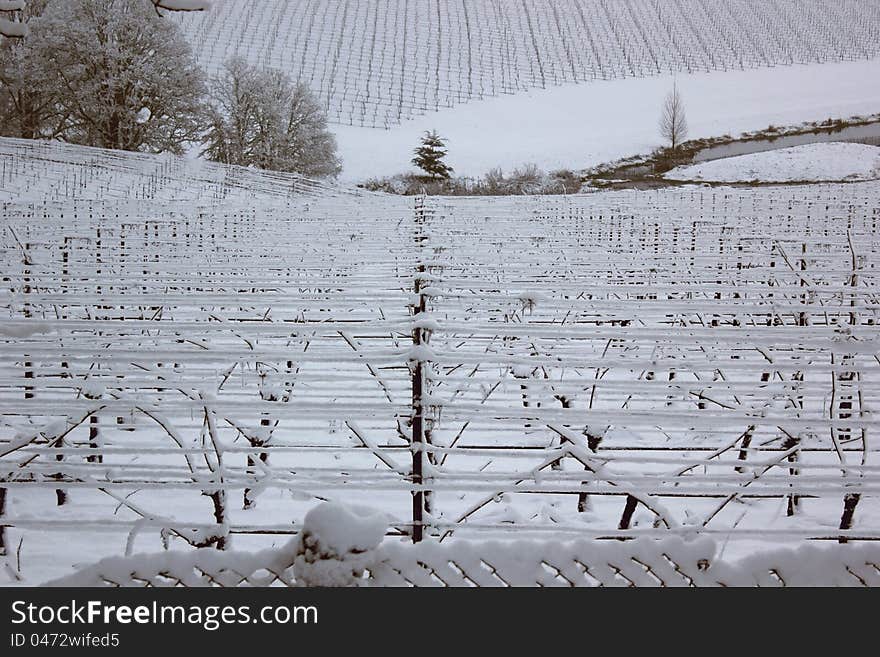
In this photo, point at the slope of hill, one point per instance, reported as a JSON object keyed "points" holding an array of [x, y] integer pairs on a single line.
{"points": [[578, 126], [378, 62], [48, 171]]}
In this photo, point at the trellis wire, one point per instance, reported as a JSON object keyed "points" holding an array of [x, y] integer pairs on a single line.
{"points": [[685, 353]]}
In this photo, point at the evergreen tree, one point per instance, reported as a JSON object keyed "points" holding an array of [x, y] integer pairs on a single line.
{"points": [[429, 156]]}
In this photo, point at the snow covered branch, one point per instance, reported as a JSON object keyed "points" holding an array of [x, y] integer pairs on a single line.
{"points": [[17, 29], [11, 28], [182, 5]]}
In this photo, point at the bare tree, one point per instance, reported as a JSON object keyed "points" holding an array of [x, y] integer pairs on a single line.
{"points": [[673, 122], [27, 93], [260, 117], [101, 73]]}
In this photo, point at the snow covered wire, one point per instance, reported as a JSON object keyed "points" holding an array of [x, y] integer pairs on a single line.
{"points": [[12, 29]]}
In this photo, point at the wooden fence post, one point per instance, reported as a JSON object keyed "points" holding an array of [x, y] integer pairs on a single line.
{"points": [[419, 384], [26, 290], [798, 377], [259, 442], [2, 527], [94, 429], [849, 395]]}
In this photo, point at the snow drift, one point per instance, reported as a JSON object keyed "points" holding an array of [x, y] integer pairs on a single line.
{"points": [[812, 162]]}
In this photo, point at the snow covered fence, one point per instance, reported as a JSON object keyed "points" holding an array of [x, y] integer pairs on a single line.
{"points": [[340, 546], [55, 172]]}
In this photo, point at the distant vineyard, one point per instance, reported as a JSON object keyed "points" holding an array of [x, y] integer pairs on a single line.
{"points": [[379, 62], [51, 171]]}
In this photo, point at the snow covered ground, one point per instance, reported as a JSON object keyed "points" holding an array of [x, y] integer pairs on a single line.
{"points": [[811, 162], [379, 63], [639, 322], [577, 126], [677, 362]]}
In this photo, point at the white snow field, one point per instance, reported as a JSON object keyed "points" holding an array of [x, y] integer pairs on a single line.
{"points": [[829, 162], [184, 370], [560, 83], [577, 126]]}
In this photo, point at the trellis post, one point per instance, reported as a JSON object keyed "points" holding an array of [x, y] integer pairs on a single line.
{"points": [[420, 339], [849, 383], [2, 527], [26, 290]]}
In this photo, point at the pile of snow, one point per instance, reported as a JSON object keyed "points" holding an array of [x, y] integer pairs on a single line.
{"points": [[812, 162], [336, 544], [21, 330]]}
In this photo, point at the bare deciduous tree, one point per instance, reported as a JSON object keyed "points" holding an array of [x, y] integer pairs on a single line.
{"points": [[27, 96], [104, 73], [673, 122], [261, 118]]}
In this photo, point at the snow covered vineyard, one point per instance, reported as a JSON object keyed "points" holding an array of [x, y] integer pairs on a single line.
{"points": [[378, 63], [52, 171], [653, 364]]}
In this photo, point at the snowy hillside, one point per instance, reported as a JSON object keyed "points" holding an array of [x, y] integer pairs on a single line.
{"points": [[46, 171], [378, 63], [578, 126], [812, 162], [205, 367]]}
